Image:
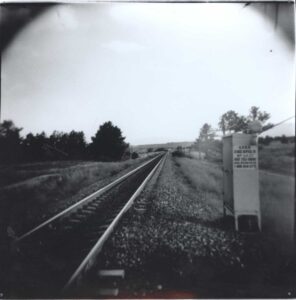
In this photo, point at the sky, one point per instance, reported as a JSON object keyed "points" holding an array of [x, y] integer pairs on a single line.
{"points": [[157, 71]]}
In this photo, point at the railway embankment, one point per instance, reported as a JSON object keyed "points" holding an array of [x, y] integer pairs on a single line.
{"points": [[50, 187], [51, 258], [178, 245]]}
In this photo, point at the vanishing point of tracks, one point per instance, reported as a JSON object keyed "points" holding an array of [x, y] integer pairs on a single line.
{"points": [[52, 258]]}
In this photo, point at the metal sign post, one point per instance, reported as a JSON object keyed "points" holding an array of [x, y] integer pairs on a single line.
{"points": [[241, 180]]}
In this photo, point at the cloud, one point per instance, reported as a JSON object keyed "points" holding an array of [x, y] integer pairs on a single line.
{"points": [[123, 46], [66, 17]]}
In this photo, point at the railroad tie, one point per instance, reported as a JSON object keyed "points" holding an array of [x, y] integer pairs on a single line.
{"points": [[108, 292], [74, 220], [109, 281], [103, 227], [89, 209], [111, 273]]}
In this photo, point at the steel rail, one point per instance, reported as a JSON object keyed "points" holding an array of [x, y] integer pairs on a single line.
{"points": [[89, 260], [84, 200]]}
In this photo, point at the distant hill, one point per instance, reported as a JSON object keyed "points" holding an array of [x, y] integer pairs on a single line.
{"points": [[143, 148]]}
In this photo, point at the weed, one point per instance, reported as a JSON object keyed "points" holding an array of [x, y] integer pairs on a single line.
{"points": [[277, 194], [277, 191], [278, 157], [26, 203]]}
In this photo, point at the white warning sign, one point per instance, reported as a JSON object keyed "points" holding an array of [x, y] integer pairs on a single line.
{"points": [[245, 157]]}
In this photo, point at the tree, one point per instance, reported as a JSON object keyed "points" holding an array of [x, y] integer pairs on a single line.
{"points": [[284, 139], [206, 137], [57, 145], [34, 147], [135, 155], [206, 132], [178, 152], [68, 145], [108, 143], [256, 115], [231, 121], [76, 144], [10, 142], [265, 140]]}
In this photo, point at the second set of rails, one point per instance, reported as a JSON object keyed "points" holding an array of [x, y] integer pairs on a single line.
{"points": [[52, 258]]}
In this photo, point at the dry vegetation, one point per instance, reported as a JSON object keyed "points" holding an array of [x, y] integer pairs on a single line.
{"points": [[278, 157], [277, 188], [277, 184], [277, 197], [277, 192], [205, 176], [55, 186], [19, 172], [181, 243]]}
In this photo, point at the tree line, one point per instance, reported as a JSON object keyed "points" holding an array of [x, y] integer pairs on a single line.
{"points": [[108, 144], [231, 122], [283, 139]]}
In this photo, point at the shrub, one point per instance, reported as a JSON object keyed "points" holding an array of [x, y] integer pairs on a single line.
{"points": [[135, 155], [178, 153]]}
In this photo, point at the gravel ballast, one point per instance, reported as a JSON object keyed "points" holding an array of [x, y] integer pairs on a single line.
{"points": [[180, 247]]}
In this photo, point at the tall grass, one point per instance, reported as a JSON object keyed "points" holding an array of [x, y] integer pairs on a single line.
{"points": [[278, 157], [206, 177], [25, 204], [20, 172], [277, 192], [277, 198]]}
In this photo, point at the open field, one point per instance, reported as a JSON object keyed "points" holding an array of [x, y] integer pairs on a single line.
{"points": [[277, 188], [16, 173], [277, 195], [144, 148], [206, 177], [55, 186], [278, 157]]}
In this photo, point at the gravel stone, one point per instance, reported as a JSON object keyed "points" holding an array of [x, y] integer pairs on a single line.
{"points": [[181, 236]]}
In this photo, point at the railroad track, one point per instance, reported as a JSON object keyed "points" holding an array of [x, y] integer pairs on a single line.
{"points": [[52, 258]]}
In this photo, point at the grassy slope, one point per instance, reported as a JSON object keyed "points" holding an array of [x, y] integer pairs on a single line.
{"points": [[206, 177], [277, 198], [277, 187], [19, 172], [278, 158], [26, 203], [277, 192]]}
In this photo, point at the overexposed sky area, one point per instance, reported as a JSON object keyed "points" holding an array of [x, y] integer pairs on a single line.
{"points": [[158, 71]]}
